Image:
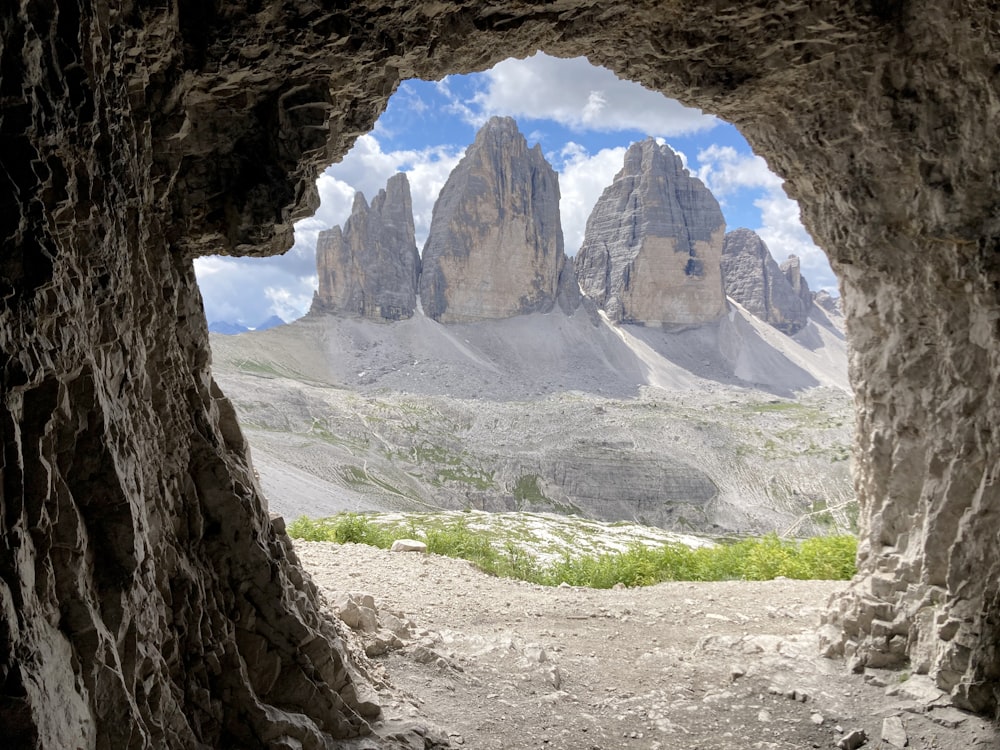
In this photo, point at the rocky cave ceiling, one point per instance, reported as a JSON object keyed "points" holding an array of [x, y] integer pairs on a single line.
{"points": [[145, 598]]}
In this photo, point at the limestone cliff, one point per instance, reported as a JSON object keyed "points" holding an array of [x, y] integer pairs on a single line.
{"points": [[495, 246], [753, 278], [791, 268], [653, 243], [370, 268]]}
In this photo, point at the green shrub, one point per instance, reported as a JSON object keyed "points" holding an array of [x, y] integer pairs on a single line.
{"points": [[760, 559]]}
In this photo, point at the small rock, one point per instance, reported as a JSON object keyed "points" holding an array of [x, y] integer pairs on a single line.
{"points": [[817, 719], [736, 672], [408, 545], [763, 715], [853, 740], [950, 718], [893, 732]]}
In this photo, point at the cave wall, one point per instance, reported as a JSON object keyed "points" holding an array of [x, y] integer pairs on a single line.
{"points": [[145, 598]]}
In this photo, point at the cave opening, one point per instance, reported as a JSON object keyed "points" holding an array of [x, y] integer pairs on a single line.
{"points": [[363, 455], [138, 138]]}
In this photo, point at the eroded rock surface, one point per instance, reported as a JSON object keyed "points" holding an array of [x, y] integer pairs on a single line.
{"points": [[653, 242], [370, 268], [495, 246], [753, 278], [147, 602]]}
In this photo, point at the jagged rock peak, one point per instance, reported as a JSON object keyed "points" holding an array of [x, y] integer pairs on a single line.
{"points": [[793, 272], [753, 278], [653, 242], [370, 268], [495, 246]]}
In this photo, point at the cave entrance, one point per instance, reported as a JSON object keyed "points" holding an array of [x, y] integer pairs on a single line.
{"points": [[495, 416]]}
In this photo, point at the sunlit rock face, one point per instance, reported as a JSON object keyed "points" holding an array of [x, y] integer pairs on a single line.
{"points": [[653, 242], [370, 267], [753, 278], [495, 246], [146, 600]]}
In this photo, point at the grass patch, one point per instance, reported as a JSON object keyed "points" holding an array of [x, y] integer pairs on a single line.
{"points": [[761, 559]]}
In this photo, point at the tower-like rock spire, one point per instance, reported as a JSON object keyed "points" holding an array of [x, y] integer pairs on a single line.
{"points": [[653, 243], [495, 246]]}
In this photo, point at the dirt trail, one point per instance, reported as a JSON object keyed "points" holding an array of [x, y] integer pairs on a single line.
{"points": [[493, 663]]}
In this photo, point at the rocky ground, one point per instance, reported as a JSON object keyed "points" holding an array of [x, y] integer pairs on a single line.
{"points": [[548, 413], [472, 661]]}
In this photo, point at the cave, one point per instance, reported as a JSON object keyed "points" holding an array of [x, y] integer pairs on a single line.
{"points": [[147, 598]]}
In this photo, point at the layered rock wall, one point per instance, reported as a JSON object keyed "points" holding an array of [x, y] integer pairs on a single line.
{"points": [[370, 268], [653, 242], [147, 602], [495, 246], [753, 278]]}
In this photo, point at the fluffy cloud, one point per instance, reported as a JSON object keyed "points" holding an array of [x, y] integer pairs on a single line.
{"points": [[248, 290], [582, 179], [725, 171], [731, 176], [579, 96]]}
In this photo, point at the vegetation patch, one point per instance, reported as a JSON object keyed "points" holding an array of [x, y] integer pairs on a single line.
{"points": [[759, 559]]}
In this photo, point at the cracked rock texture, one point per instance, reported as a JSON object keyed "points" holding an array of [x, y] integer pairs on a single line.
{"points": [[145, 599], [495, 246], [653, 243], [754, 279], [370, 267]]}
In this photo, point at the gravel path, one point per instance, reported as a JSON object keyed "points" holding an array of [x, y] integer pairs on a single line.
{"points": [[491, 663]]}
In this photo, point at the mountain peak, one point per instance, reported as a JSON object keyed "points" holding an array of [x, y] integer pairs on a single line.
{"points": [[370, 268], [754, 279], [495, 246], [653, 243]]}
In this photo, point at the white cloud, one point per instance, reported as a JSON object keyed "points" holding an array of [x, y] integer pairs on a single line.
{"points": [[727, 172], [724, 171], [582, 179], [248, 290], [580, 96]]}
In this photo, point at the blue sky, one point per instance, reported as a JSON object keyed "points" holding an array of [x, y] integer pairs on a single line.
{"points": [[583, 117]]}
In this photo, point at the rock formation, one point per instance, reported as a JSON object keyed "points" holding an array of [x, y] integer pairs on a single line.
{"points": [[652, 246], [793, 273], [828, 302], [146, 601], [370, 268], [495, 246], [753, 278]]}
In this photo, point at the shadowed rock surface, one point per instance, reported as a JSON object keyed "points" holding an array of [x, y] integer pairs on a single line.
{"points": [[146, 601], [495, 246], [370, 268], [651, 250], [754, 279]]}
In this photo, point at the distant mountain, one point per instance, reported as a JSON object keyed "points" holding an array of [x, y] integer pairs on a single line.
{"points": [[755, 280], [655, 252], [495, 247], [227, 328], [369, 269], [271, 322], [651, 251]]}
